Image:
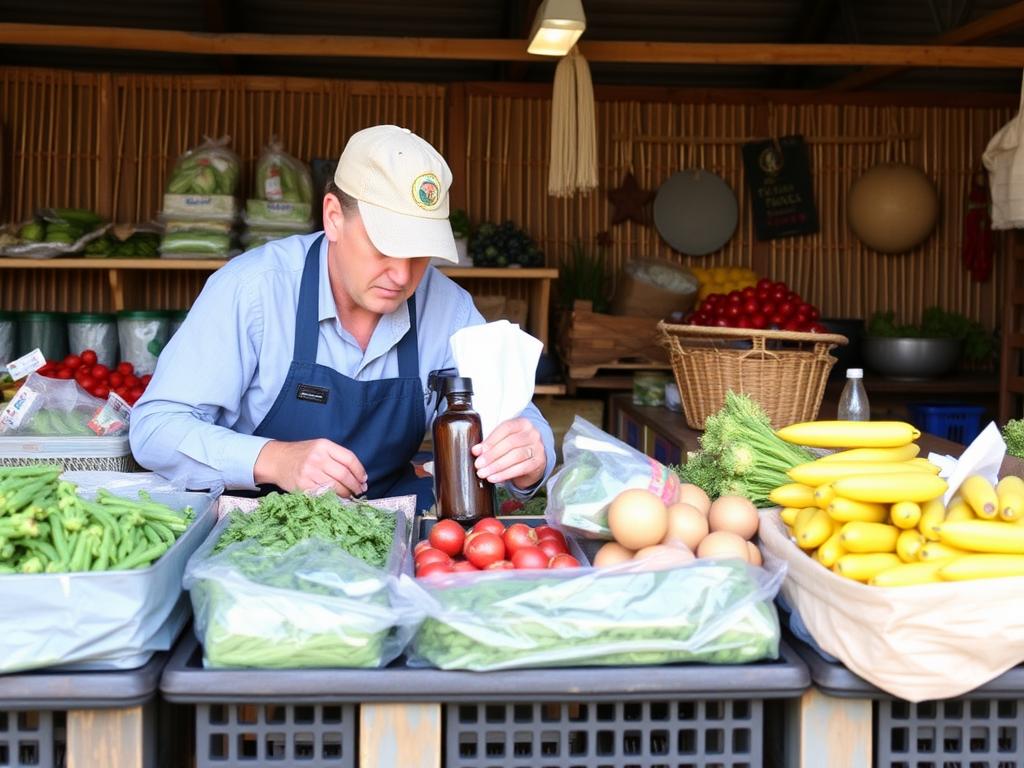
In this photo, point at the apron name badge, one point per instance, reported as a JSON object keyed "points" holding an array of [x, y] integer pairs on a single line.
{"points": [[312, 394]]}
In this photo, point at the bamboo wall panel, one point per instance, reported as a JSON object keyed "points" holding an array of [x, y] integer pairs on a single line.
{"points": [[507, 178], [55, 133], [158, 118], [79, 290]]}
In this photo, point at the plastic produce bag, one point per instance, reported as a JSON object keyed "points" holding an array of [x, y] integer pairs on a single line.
{"points": [[101, 619], [186, 242], [597, 468], [711, 611], [209, 169], [55, 407], [310, 605], [281, 177]]}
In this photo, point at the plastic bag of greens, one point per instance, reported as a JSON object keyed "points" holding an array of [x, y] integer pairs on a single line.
{"points": [[311, 604], [209, 169], [709, 611], [282, 178], [55, 408], [596, 469], [191, 242]]}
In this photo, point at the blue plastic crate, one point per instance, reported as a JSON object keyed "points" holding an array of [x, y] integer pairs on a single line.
{"points": [[954, 421]]}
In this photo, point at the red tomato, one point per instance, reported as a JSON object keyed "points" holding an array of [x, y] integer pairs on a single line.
{"points": [[793, 297], [750, 306], [432, 556], [46, 368], [87, 383], [122, 392], [814, 314], [764, 282], [749, 293], [777, 320], [64, 373], [116, 379], [518, 536], [89, 357], [768, 308], [735, 297], [448, 537], [714, 298], [125, 368], [698, 318], [100, 371], [786, 309], [528, 558], [793, 325], [485, 548], [146, 379], [102, 391], [72, 361], [721, 323], [135, 393], [817, 328], [82, 371], [564, 561], [464, 566], [743, 323], [425, 544], [548, 532], [432, 569], [733, 311], [131, 381], [490, 525], [550, 547], [500, 565]]}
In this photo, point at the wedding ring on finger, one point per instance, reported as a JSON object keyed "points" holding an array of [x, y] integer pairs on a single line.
{"points": [[529, 453]]}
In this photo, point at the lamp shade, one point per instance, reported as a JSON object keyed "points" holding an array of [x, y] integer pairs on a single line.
{"points": [[556, 27]]}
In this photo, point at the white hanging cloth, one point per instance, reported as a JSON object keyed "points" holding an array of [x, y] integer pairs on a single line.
{"points": [[573, 166], [1004, 159]]}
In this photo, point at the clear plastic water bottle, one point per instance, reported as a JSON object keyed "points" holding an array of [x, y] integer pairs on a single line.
{"points": [[853, 403]]}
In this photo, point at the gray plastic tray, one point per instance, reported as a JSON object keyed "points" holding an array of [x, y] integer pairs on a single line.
{"points": [[836, 680], [54, 689], [185, 681]]}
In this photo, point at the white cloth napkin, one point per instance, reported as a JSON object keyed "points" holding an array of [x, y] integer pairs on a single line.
{"points": [[501, 360], [982, 457]]}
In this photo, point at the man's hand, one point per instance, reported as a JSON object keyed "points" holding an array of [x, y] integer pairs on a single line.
{"points": [[310, 464], [513, 451]]}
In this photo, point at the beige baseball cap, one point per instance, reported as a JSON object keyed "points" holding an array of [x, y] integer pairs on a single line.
{"points": [[401, 183]]}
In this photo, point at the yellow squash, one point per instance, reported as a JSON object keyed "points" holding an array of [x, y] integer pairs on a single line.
{"points": [[979, 493], [812, 531], [905, 514], [889, 489], [850, 434], [875, 455], [908, 546], [958, 511], [829, 552], [868, 537], [932, 514], [909, 574], [862, 567], [984, 536], [788, 515], [848, 510], [1010, 491], [792, 495], [936, 550], [983, 567], [813, 473]]}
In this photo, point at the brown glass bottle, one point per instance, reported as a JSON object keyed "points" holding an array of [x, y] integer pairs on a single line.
{"points": [[460, 494]]}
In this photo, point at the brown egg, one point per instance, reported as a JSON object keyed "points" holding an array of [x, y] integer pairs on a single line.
{"points": [[686, 525], [612, 554], [734, 514], [694, 496], [754, 554], [661, 557], [637, 519], [723, 544]]}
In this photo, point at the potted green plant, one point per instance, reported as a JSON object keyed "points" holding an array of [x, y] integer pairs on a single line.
{"points": [[932, 348]]}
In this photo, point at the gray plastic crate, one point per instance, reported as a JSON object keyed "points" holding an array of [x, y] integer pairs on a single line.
{"points": [[33, 707], [683, 715], [31, 738], [633, 734], [981, 729]]}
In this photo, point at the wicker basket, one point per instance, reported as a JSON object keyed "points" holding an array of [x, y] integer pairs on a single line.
{"points": [[785, 372]]}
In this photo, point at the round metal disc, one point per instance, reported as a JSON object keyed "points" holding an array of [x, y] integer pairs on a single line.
{"points": [[695, 212]]}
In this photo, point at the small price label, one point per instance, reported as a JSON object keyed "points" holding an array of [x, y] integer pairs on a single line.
{"points": [[113, 418], [18, 409], [23, 366]]}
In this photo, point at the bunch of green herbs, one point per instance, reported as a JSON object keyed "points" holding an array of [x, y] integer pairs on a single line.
{"points": [[740, 454], [284, 519], [1013, 436], [584, 276]]}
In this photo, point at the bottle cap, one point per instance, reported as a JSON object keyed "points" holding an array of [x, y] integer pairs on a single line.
{"points": [[855, 373], [460, 384]]}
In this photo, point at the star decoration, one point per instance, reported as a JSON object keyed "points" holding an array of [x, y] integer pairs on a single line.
{"points": [[629, 201]]}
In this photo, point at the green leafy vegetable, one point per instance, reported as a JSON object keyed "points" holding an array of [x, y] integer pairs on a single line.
{"points": [[710, 611], [740, 454], [938, 323], [283, 519], [1013, 435]]}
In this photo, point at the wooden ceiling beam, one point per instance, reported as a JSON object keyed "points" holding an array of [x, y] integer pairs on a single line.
{"points": [[476, 49], [988, 26]]}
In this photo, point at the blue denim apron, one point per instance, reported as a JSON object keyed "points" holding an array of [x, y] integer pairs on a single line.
{"points": [[382, 422]]}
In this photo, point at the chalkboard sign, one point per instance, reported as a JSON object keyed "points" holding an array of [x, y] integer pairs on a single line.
{"points": [[781, 189]]}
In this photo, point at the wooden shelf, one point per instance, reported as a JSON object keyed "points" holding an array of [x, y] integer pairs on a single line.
{"points": [[549, 389], [116, 264], [500, 273]]}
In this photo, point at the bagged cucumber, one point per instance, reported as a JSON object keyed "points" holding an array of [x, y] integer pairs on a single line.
{"points": [[209, 169], [282, 178]]}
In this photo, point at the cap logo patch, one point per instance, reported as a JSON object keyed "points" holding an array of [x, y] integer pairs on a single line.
{"points": [[426, 191]]}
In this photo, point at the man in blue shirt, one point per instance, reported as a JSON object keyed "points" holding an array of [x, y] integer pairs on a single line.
{"points": [[304, 362]]}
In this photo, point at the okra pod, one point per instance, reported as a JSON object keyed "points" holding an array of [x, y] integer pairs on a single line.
{"points": [[140, 557]]}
